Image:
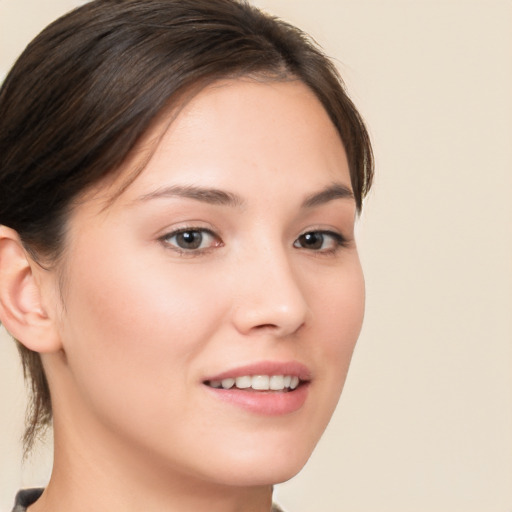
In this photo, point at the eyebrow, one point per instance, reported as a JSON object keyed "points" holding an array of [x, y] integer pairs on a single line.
{"points": [[223, 198], [205, 195], [330, 193]]}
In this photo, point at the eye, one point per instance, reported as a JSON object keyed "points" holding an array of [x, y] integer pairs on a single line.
{"points": [[320, 241], [191, 239]]}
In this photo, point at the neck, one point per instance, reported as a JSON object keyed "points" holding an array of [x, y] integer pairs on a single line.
{"points": [[100, 467], [105, 478]]}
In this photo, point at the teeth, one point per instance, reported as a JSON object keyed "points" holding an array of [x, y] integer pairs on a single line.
{"points": [[261, 382], [243, 382], [277, 382], [258, 382], [228, 383]]}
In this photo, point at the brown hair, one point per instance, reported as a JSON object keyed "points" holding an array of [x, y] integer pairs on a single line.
{"points": [[87, 88]]}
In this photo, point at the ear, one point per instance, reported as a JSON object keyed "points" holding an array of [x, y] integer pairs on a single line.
{"points": [[21, 306]]}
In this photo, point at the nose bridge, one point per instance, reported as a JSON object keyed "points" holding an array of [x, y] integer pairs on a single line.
{"points": [[270, 297]]}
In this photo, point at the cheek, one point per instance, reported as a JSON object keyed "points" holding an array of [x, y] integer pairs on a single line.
{"points": [[128, 300], [339, 317], [340, 307], [132, 330]]}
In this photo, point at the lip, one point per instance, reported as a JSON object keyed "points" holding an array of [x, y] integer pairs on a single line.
{"points": [[264, 403], [266, 368]]}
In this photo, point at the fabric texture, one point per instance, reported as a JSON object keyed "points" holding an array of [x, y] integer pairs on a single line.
{"points": [[26, 497]]}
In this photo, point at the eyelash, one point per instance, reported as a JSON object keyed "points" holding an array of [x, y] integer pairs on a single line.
{"points": [[190, 230], [338, 241]]}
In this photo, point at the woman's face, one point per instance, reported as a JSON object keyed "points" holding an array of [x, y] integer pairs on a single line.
{"points": [[230, 261]]}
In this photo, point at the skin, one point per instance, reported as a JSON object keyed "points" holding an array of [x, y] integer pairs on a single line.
{"points": [[140, 324]]}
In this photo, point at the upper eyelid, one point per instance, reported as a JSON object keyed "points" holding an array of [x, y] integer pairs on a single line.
{"points": [[187, 228], [325, 231], [214, 232], [177, 231], [169, 231], [165, 241], [340, 237], [173, 232]]}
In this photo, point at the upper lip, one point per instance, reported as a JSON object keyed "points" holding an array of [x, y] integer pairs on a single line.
{"points": [[292, 368]]}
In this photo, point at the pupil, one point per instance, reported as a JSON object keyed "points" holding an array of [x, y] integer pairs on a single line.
{"points": [[313, 240], [189, 239]]}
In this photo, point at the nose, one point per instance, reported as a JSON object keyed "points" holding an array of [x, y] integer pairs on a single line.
{"points": [[269, 298]]}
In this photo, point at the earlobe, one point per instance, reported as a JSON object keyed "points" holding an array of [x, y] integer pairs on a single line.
{"points": [[21, 306]]}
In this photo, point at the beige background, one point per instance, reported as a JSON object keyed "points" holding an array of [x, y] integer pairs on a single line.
{"points": [[425, 423]]}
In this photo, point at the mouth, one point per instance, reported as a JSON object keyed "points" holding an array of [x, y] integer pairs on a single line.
{"points": [[268, 388], [277, 383]]}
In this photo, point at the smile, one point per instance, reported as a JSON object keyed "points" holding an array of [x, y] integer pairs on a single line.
{"points": [[268, 388], [257, 382]]}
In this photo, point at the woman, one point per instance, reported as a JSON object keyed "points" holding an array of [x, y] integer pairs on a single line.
{"points": [[179, 182]]}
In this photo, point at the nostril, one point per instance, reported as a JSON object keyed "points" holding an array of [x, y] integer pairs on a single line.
{"points": [[273, 329], [265, 327]]}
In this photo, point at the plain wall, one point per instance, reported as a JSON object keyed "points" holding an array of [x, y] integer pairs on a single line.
{"points": [[425, 421]]}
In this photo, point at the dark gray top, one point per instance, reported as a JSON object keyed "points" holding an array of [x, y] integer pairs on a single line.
{"points": [[26, 497]]}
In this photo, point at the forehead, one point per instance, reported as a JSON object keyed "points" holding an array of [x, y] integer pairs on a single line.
{"points": [[233, 129]]}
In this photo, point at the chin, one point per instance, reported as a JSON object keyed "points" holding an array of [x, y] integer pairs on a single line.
{"points": [[265, 464], [273, 472]]}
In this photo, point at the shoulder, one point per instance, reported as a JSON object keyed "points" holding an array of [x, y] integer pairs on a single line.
{"points": [[25, 498]]}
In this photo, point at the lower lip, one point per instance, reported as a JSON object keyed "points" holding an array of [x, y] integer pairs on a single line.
{"points": [[265, 403]]}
